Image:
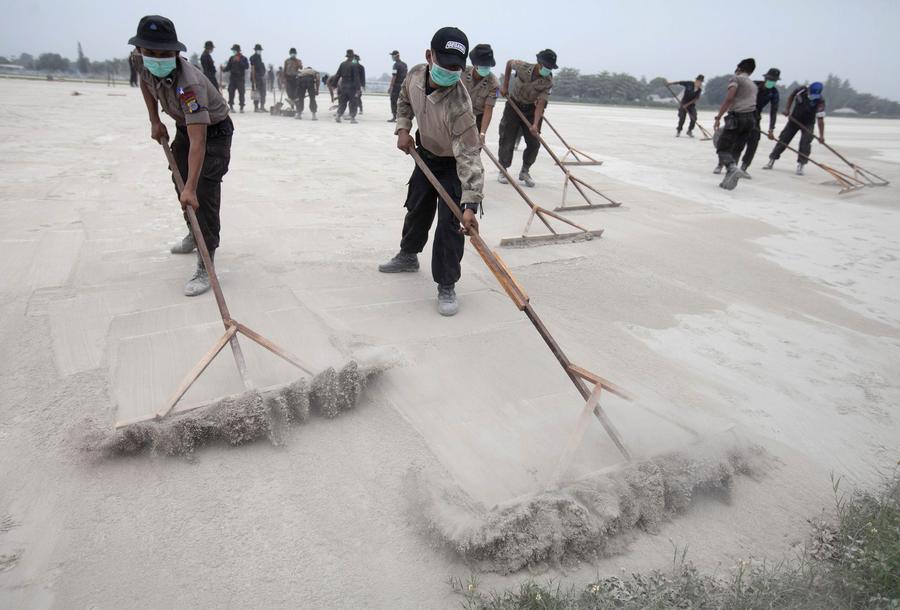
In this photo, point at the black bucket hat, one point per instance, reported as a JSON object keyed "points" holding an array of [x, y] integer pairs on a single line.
{"points": [[700, 78], [773, 74], [157, 34], [395, 53], [293, 50], [257, 47], [236, 47], [482, 55], [547, 58], [450, 46], [209, 45]]}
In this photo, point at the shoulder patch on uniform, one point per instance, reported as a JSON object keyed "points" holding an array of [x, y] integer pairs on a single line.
{"points": [[188, 100]]}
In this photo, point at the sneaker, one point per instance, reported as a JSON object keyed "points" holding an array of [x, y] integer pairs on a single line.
{"points": [[446, 301], [353, 120], [744, 175], [314, 117], [337, 119], [718, 169], [231, 107], [770, 164], [401, 263], [393, 120], [299, 116], [242, 110], [690, 134], [199, 283], [677, 133], [731, 178], [525, 177], [501, 178], [799, 169], [185, 246]]}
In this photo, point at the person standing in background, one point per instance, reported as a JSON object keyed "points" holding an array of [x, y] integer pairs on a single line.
{"points": [[207, 63], [398, 75], [236, 67], [687, 105], [258, 78], [362, 83]]}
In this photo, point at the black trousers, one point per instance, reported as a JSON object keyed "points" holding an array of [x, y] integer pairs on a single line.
{"points": [[511, 127], [422, 202], [752, 143], [478, 119], [292, 87], [236, 83], [685, 112], [395, 95], [307, 86], [209, 187], [735, 133], [787, 134], [261, 89], [348, 97]]}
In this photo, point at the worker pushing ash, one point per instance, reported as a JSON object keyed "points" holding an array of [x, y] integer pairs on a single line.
{"points": [[202, 145]]}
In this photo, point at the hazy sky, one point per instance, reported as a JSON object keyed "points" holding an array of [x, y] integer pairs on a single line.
{"points": [[807, 39]]}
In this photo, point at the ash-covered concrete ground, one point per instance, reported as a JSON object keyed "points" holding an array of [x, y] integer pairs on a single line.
{"points": [[773, 308]]}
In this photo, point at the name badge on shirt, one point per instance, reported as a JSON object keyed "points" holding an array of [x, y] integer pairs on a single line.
{"points": [[188, 99]]}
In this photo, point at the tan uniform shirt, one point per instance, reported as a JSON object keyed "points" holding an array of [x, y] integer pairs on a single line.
{"points": [[525, 87], [446, 127], [482, 93], [746, 91], [308, 72], [188, 97], [292, 66]]}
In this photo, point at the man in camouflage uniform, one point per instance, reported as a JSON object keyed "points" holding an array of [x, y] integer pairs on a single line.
{"points": [[530, 90], [482, 85], [292, 67], [202, 145], [308, 85], [349, 81], [447, 140]]}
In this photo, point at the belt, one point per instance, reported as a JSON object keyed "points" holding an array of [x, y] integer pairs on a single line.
{"points": [[220, 130]]}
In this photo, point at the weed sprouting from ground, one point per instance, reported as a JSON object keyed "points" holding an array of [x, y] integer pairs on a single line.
{"points": [[852, 561]]}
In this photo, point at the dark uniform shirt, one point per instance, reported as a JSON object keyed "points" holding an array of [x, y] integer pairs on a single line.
{"points": [[691, 92], [767, 97], [209, 66], [349, 75], [237, 65], [259, 67], [187, 96], [399, 72], [806, 110]]}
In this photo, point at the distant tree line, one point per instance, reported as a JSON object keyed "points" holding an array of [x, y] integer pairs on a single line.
{"points": [[569, 84], [624, 89]]}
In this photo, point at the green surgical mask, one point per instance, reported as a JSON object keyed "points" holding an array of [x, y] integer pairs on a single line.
{"points": [[443, 77], [770, 84], [545, 72], [293, 55], [356, 61], [159, 67], [233, 53], [483, 71]]}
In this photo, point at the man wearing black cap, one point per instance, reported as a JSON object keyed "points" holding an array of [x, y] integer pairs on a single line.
{"points": [[258, 79], [740, 104], [482, 85], [530, 90], [447, 140], [236, 67], [207, 63], [292, 67], [766, 95], [398, 74], [688, 103], [202, 145], [349, 84]]}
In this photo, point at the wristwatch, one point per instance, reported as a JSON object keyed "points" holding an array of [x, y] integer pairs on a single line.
{"points": [[471, 206]]}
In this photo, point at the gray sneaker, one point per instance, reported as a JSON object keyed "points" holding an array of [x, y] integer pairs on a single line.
{"points": [[446, 302], [718, 169], [501, 178], [799, 169], [353, 120], [731, 178], [198, 284], [770, 164], [337, 119], [744, 175], [299, 116], [314, 116], [525, 177], [401, 263], [185, 246]]}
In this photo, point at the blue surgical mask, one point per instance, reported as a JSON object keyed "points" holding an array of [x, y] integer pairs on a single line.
{"points": [[545, 72], [443, 77], [483, 71], [770, 84], [159, 67]]}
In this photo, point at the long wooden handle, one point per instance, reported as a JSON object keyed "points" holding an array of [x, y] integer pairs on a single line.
{"points": [[543, 142], [509, 284]]}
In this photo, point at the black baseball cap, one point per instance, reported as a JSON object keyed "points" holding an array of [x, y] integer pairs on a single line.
{"points": [[482, 55], [547, 58], [773, 74], [450, 47], [350, 53], [293, 50], [156, 33], [209, 45], [395, 52], [700, 78]]}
